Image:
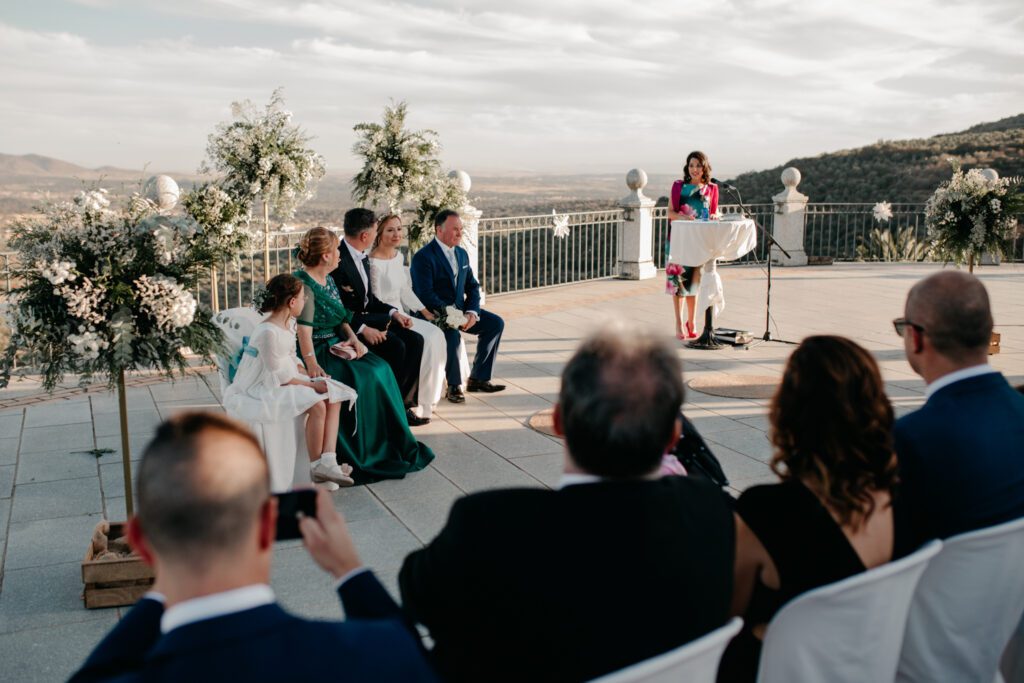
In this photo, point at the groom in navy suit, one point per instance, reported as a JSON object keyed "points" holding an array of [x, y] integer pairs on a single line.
{"points": [[206, 522], [961, 455], [442, 277]]}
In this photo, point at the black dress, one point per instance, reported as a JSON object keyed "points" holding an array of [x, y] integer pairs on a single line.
{"points": [[809, 550]]}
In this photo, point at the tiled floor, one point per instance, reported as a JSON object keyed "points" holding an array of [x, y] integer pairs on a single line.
{"points": [[53, 490]]}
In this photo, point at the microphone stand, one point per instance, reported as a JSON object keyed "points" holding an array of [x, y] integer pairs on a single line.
{"points": [[767, 336]]}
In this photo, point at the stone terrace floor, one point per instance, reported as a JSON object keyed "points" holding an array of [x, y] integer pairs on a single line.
{"points": [[52, 493]]}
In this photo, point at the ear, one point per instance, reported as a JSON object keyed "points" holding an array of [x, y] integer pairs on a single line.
{"points": [[137, 540], [917, 337], [268, 523], [556, 421], [677, 431]]}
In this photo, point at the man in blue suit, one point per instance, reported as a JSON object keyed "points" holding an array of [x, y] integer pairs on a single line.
{"points": [[206, 522], [442, 277], [962, 454]]}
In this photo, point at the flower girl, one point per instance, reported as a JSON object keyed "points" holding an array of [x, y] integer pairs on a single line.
{"points": [[271, 386]]}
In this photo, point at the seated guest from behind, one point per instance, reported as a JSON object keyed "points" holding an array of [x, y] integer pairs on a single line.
{"points": [[442, 277], [206, 523], [614, 566], [831, 516], [962, 454]]}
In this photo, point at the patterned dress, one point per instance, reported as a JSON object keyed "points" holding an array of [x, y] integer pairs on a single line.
{"points": [[375, 437], [679, 279]]}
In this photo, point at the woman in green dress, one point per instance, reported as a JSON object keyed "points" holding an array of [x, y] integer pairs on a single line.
{"points": [[374, 437]]}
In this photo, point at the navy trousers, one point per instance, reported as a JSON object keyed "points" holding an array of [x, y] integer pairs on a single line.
{"points": [[488, 330]]}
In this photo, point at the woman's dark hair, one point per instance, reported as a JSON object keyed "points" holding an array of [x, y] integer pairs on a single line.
{"points": [[380, 226], [831, 425], [703, 159], [314, 244], [281, 289]]}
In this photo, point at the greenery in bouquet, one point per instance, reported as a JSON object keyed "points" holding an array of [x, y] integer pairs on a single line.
{"points": [[263, 154], [105, 289], [449, 318], [401, 167], [970, 214]]}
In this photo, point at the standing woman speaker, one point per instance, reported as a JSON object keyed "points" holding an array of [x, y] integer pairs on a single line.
{"points": [[687, 200]]}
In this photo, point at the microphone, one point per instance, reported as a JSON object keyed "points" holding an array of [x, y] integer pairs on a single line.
{"points": [[722, 183]]}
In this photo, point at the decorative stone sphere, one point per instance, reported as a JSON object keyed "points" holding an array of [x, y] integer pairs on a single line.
{"points": [[791, 177], [462, 178], [989, 174], [162, 191], [636, 179]]}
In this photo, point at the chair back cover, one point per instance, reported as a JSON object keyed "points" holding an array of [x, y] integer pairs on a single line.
{"points": [[694, 662], [966, 607], [237, 325], [848, 631]]}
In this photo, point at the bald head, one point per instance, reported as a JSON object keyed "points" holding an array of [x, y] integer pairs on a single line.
{"points": [[202, 483], [953, 309]]}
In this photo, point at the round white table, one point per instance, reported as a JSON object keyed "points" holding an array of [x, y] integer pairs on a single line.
{"points": [[703, 244]]}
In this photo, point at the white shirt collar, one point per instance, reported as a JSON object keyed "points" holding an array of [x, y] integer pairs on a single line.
{"points": [[216, 605], [574, 478], [956, 376], [356, 254], [444, 247]]}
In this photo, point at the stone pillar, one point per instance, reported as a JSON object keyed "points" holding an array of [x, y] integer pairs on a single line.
{"points": [[470, 216], [637, 232], [788, 230]]}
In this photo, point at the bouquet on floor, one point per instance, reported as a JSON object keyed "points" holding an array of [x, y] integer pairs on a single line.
{"points": [[105, 287]]}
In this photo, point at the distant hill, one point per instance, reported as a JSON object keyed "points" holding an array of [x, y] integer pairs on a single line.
{"points": [[28, 165], [896, 170]]}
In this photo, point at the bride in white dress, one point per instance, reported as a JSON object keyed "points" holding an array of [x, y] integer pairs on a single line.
{"points": [[391, 284]]}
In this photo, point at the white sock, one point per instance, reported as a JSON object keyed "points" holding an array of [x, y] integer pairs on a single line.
{"points": [[329, 459]]}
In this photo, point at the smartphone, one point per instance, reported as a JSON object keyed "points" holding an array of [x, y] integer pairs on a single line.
{"points": [[289, 505]]}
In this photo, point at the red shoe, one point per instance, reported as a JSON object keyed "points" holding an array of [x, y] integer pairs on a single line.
{"points": [[689, 330]]}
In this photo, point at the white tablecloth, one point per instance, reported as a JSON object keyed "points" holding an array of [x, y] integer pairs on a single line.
{"points": [[702, 243]]}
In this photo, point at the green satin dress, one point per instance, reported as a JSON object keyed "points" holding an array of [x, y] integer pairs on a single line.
{"points": [[374, 437]]}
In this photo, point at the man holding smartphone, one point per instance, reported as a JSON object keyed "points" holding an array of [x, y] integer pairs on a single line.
{"points": [[206, 522]]}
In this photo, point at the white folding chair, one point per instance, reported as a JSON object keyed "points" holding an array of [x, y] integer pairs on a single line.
{"points": [[848, 631], [966, 606], [281, 441], [695, 662]]}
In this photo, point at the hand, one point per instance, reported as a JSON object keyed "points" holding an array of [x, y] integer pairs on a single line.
{"points": [[327, 539], [402, 319], [470, 321], [427, 314], [319, 387], [361, 349], [373, 336], [314, 368]]}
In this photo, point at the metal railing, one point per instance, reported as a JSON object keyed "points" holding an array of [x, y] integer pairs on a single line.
{"points": [[523, 252], [762, 213], [849, 232]]}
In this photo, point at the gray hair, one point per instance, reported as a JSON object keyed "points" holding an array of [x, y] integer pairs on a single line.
{"points": [[953, 308], [620, 398]]}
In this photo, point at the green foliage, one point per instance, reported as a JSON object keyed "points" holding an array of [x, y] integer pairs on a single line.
{"points": [[900, 170], [884, 244], [401, 169]]}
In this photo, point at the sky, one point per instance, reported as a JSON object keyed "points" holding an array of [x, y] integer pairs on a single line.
{"points": [[527, 86]]}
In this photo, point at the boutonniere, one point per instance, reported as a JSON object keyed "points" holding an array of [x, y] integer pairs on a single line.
{"points": [[346, 288]]}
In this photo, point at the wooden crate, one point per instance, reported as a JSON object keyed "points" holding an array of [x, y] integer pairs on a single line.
{"points": [[114, 583]]}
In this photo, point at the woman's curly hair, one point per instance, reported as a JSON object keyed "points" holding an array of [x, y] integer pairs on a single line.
{"points": [[703, 159], [314, 244], [831, 425]]}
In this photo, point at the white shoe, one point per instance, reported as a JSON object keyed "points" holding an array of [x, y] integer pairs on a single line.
{"points": [[320, 473], [328, 486]]}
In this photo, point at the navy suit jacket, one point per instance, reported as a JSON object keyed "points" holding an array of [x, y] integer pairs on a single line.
{"points": [[434, 284], [961, 460], [265, 644]]}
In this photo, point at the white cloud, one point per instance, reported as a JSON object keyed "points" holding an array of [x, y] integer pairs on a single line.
{"points": [[600, 85]]}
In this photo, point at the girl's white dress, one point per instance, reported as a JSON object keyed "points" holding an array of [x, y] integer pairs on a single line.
{"points": [[256, 396], [391, 284]]}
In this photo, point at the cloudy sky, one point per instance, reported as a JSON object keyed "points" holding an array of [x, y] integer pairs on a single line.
{"points": [[527, 85]]}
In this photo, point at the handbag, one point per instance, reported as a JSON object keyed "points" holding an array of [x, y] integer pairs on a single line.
{"points": [[696, 457]]}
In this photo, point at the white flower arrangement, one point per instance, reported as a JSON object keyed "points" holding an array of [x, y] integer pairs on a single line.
{"points": [[105, 289], [971, 214], [882, 211], [400, 167], [560, 224]]}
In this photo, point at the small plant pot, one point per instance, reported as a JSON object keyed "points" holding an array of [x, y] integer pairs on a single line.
{"points": [[114, 582]]}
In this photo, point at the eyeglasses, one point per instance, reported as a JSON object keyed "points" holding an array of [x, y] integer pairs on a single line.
{"points": [[901, 325]]}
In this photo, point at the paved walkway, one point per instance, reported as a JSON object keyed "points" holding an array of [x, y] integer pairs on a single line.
{"points": [[53, 490]]}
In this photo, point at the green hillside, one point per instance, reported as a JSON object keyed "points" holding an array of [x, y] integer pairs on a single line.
{"points": [[896, 170]]}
